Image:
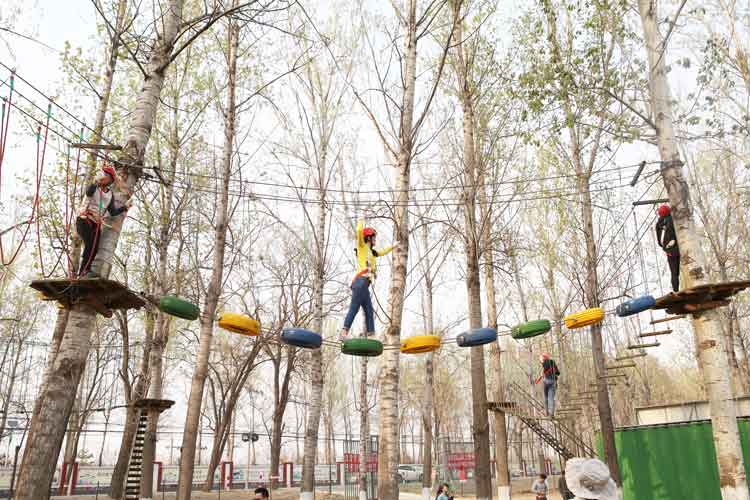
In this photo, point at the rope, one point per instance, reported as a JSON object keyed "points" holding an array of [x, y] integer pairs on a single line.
{"points": [[37, 201], [40, 153]]}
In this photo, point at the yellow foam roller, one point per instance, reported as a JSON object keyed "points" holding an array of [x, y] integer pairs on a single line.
{"points": [[420, 344], [239, 323], [584, 318]]}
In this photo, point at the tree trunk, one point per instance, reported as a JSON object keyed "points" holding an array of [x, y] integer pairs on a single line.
{"points": [[706, 325], [192, 421], [316, 356], [591, 291], [47, 426], [480, 427], [364, 430], [429, 374], [388, 449], [131, 417], [499, 428]]}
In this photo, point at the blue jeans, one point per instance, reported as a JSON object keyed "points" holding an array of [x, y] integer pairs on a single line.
{"points": [[550, 388], [361, 298]]}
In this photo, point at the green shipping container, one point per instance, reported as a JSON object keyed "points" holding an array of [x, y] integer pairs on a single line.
{"points": [[671, 461]]}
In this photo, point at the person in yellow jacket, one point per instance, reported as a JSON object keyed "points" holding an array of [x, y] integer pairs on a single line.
{"points": [[366, 274]]}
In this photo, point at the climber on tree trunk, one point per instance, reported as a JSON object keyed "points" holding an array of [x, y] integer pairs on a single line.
{"points": [[667, 239], [99, 201], [366, 274]]}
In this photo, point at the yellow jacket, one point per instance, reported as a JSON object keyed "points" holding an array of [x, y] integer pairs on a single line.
{"points": [[366, 255]]}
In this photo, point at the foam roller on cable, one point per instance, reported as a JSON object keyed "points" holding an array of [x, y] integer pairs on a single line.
{"points": [[477, 336], [636, 305], [587, 317], [239, 323], [180, 308], [420, 344], [531, 329], [300, 337], [362, 347]]}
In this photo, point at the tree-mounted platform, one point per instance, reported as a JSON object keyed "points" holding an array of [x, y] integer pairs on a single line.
{"points": [[700, 298], [503, 406], [154, 404], [100, 294]]}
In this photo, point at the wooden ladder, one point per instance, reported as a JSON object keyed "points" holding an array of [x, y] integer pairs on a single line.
{"points": [[135, 465]]}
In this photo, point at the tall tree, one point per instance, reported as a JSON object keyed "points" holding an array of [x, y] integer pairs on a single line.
{"points": [[213, 293], [472, 244], [405, 126], [712, 357]]}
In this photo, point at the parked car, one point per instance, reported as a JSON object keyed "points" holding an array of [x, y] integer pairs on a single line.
{"points": [[408, 473]]}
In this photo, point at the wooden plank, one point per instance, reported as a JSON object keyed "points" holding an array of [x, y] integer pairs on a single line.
{"points": [[631, 356], [643, 346], [668, 318], [655, 333], [86, 145], [617, 367], [613, 375]]}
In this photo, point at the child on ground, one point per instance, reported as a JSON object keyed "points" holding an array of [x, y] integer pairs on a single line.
{"points": [[540, 487]]}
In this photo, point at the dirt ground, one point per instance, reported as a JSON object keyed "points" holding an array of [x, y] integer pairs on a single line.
{"points": [[292, 494]]}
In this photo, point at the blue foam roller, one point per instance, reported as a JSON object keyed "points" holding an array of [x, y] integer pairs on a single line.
{"points": [[636, 305], [478, 336], [299, 337]]}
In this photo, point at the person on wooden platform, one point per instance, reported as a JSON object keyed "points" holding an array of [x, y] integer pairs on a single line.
{"points": [[667, 239], [99, 201]]}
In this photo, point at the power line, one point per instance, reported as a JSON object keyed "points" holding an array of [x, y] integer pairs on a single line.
{"points": [[52, 101]]}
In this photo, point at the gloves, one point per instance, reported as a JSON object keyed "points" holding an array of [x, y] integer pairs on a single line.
{"points": [[670, 244]]}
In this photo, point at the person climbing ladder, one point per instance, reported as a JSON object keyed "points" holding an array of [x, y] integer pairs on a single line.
{"points": [[550, 373], [99, 201], [366, 274], [667, 239]]}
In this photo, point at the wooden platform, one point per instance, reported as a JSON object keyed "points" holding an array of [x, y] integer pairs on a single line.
{"points": [[504, 406], [100, 294], [700, 298]]}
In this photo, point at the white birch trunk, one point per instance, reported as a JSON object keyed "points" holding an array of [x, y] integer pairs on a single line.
{"points": [[388, 449], [192, 421], [706, 325], [429, 369]]}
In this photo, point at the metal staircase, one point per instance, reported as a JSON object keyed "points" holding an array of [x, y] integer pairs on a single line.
{"points": [[135, 466], [526, 408]]}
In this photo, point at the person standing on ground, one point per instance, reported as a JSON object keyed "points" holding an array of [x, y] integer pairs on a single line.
{"points": [[562, 485], [443, 492], [667, 239], [550, 373], [540, 488], [589, 479]]}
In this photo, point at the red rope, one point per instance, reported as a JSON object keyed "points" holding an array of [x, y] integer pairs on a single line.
{"points": [[40, 153]]}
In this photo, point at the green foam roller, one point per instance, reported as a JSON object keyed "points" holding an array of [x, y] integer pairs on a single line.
{"points": [[531, 329], [180, 308], [362, 347]]}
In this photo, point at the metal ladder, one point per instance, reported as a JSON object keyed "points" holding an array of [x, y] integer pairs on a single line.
{"points": [[526, 408], [135, 465]]}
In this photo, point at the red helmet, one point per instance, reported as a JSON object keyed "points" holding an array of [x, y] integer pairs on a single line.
{"points": [[110, 171], [664, 210], [368, 231]]}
